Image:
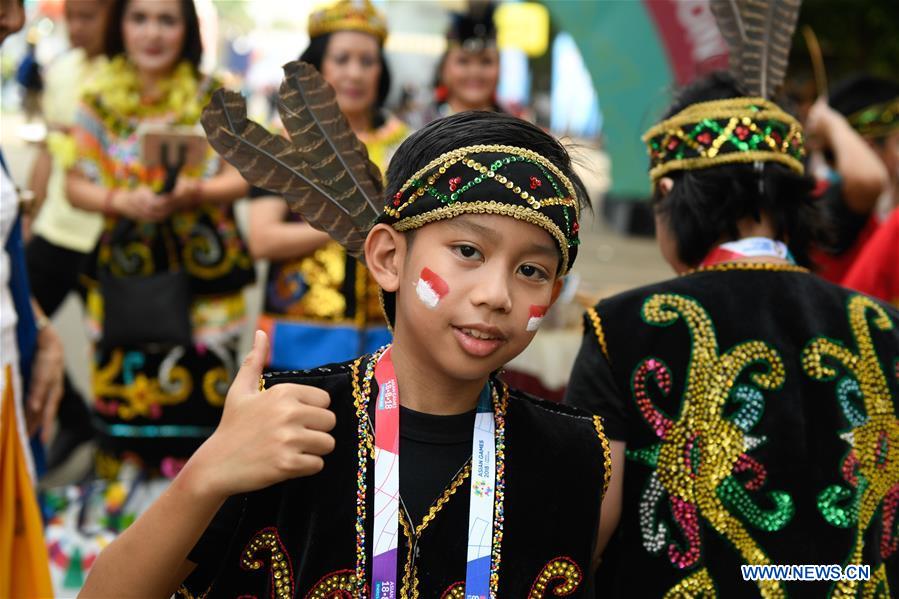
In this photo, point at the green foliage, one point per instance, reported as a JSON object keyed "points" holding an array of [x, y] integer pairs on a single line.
{"points": [[855, 35]]}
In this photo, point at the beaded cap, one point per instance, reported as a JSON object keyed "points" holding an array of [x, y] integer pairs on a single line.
{"points": [[349, 15], [878, 120], [734, 130], [491, 179]]}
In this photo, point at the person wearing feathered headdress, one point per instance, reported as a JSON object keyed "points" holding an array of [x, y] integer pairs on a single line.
{"points": [[751, 406], [497, 494], [320, 304]]}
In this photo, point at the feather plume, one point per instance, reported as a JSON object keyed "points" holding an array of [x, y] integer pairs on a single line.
{"points": [[759, 34], [322, 195], [322, 135]]}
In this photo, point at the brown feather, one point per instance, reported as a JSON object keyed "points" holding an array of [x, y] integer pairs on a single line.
{"points": [[759, 34], [322, 135], [271, 162]]}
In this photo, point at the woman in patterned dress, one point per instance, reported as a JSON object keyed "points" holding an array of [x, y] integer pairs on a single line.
{"points": [[321, 306], [157, 398]]}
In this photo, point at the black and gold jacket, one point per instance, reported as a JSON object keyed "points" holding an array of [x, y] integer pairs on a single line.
{"points": [[307, 537], [758, 404]]}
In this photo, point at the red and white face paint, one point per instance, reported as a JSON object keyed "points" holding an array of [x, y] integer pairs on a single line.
{"points": [[536, 315], [431, 288]]}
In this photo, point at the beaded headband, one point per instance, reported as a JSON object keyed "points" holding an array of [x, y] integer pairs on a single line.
{"points": [[491, 179], [878, 120], [718, 132], [348, 15]]}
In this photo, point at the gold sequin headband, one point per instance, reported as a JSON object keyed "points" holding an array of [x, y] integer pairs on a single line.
{"points": [[348, 15], [734, 130], [878, 120], [491, 179]]}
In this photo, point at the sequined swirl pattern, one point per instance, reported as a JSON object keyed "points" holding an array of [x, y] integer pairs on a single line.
{"points": [[559, 578], [871, 466], [701, 452], [337, 585], [267, 541]]}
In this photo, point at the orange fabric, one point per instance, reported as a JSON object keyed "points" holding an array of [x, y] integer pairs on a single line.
{"points": [[24, 567]]}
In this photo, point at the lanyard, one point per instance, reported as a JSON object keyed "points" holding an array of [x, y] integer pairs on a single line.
{"points": [[387, 489], [748, 247]]}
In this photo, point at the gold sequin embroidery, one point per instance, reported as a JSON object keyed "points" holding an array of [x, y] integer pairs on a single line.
{"points": [[874, 434], [522, 213], [267, 541], [593, 315], [606, 454], [698, 453], [564, 572]]}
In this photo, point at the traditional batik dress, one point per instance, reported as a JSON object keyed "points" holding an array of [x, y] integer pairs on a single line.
{"points": [[324, 307], [759, 408], [312, 536], [154, 404]]}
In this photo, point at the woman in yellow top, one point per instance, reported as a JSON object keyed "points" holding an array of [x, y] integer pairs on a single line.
{"points": [[165, 281], [320, 304]]}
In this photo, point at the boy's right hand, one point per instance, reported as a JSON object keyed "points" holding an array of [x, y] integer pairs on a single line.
{"points": [[264, 437]]}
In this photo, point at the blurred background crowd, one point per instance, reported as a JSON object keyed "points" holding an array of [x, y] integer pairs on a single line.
{"points": [[86, 84]]}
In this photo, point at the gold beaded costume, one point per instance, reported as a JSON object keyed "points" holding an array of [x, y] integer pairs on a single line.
{"points": [[757, 402], [313, 536]]}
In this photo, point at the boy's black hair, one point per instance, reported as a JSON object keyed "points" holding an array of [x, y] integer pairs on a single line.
{"points": [[706, 204], [471, 128], [192, 52], [314, 54]]}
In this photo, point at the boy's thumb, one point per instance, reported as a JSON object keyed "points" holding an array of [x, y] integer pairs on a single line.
{"points": [[247, 378]]}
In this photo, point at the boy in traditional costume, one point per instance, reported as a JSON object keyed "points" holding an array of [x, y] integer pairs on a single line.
{"points": [[753, 403], [497, 494]]}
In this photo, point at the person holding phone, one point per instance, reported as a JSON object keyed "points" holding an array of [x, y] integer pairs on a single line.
{"points": [[165, 301]]}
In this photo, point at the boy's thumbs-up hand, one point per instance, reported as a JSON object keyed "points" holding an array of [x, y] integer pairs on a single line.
{"points": [[264, 437]]}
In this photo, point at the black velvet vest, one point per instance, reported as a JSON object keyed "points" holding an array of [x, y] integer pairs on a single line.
{"points": [[299, 538], [759, 408]]}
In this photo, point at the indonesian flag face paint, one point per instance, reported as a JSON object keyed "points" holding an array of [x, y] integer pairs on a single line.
{"points": [[536, 317], [431, 288]]}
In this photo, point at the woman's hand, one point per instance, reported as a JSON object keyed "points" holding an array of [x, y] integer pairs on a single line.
{"points": [[188, 193], [141, 204], [46, 387], [264, 437]]}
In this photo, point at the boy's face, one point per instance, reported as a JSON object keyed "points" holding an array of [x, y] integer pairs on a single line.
{"points": [[472, 291]]}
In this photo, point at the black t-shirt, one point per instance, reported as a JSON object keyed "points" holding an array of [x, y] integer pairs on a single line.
{"points": [[432, 450]]}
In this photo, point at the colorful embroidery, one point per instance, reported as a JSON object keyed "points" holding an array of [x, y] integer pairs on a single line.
{"points": [[562, 574], [139, 395], [336, 585], [701, 452], [871, 466], [268, 541]]}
